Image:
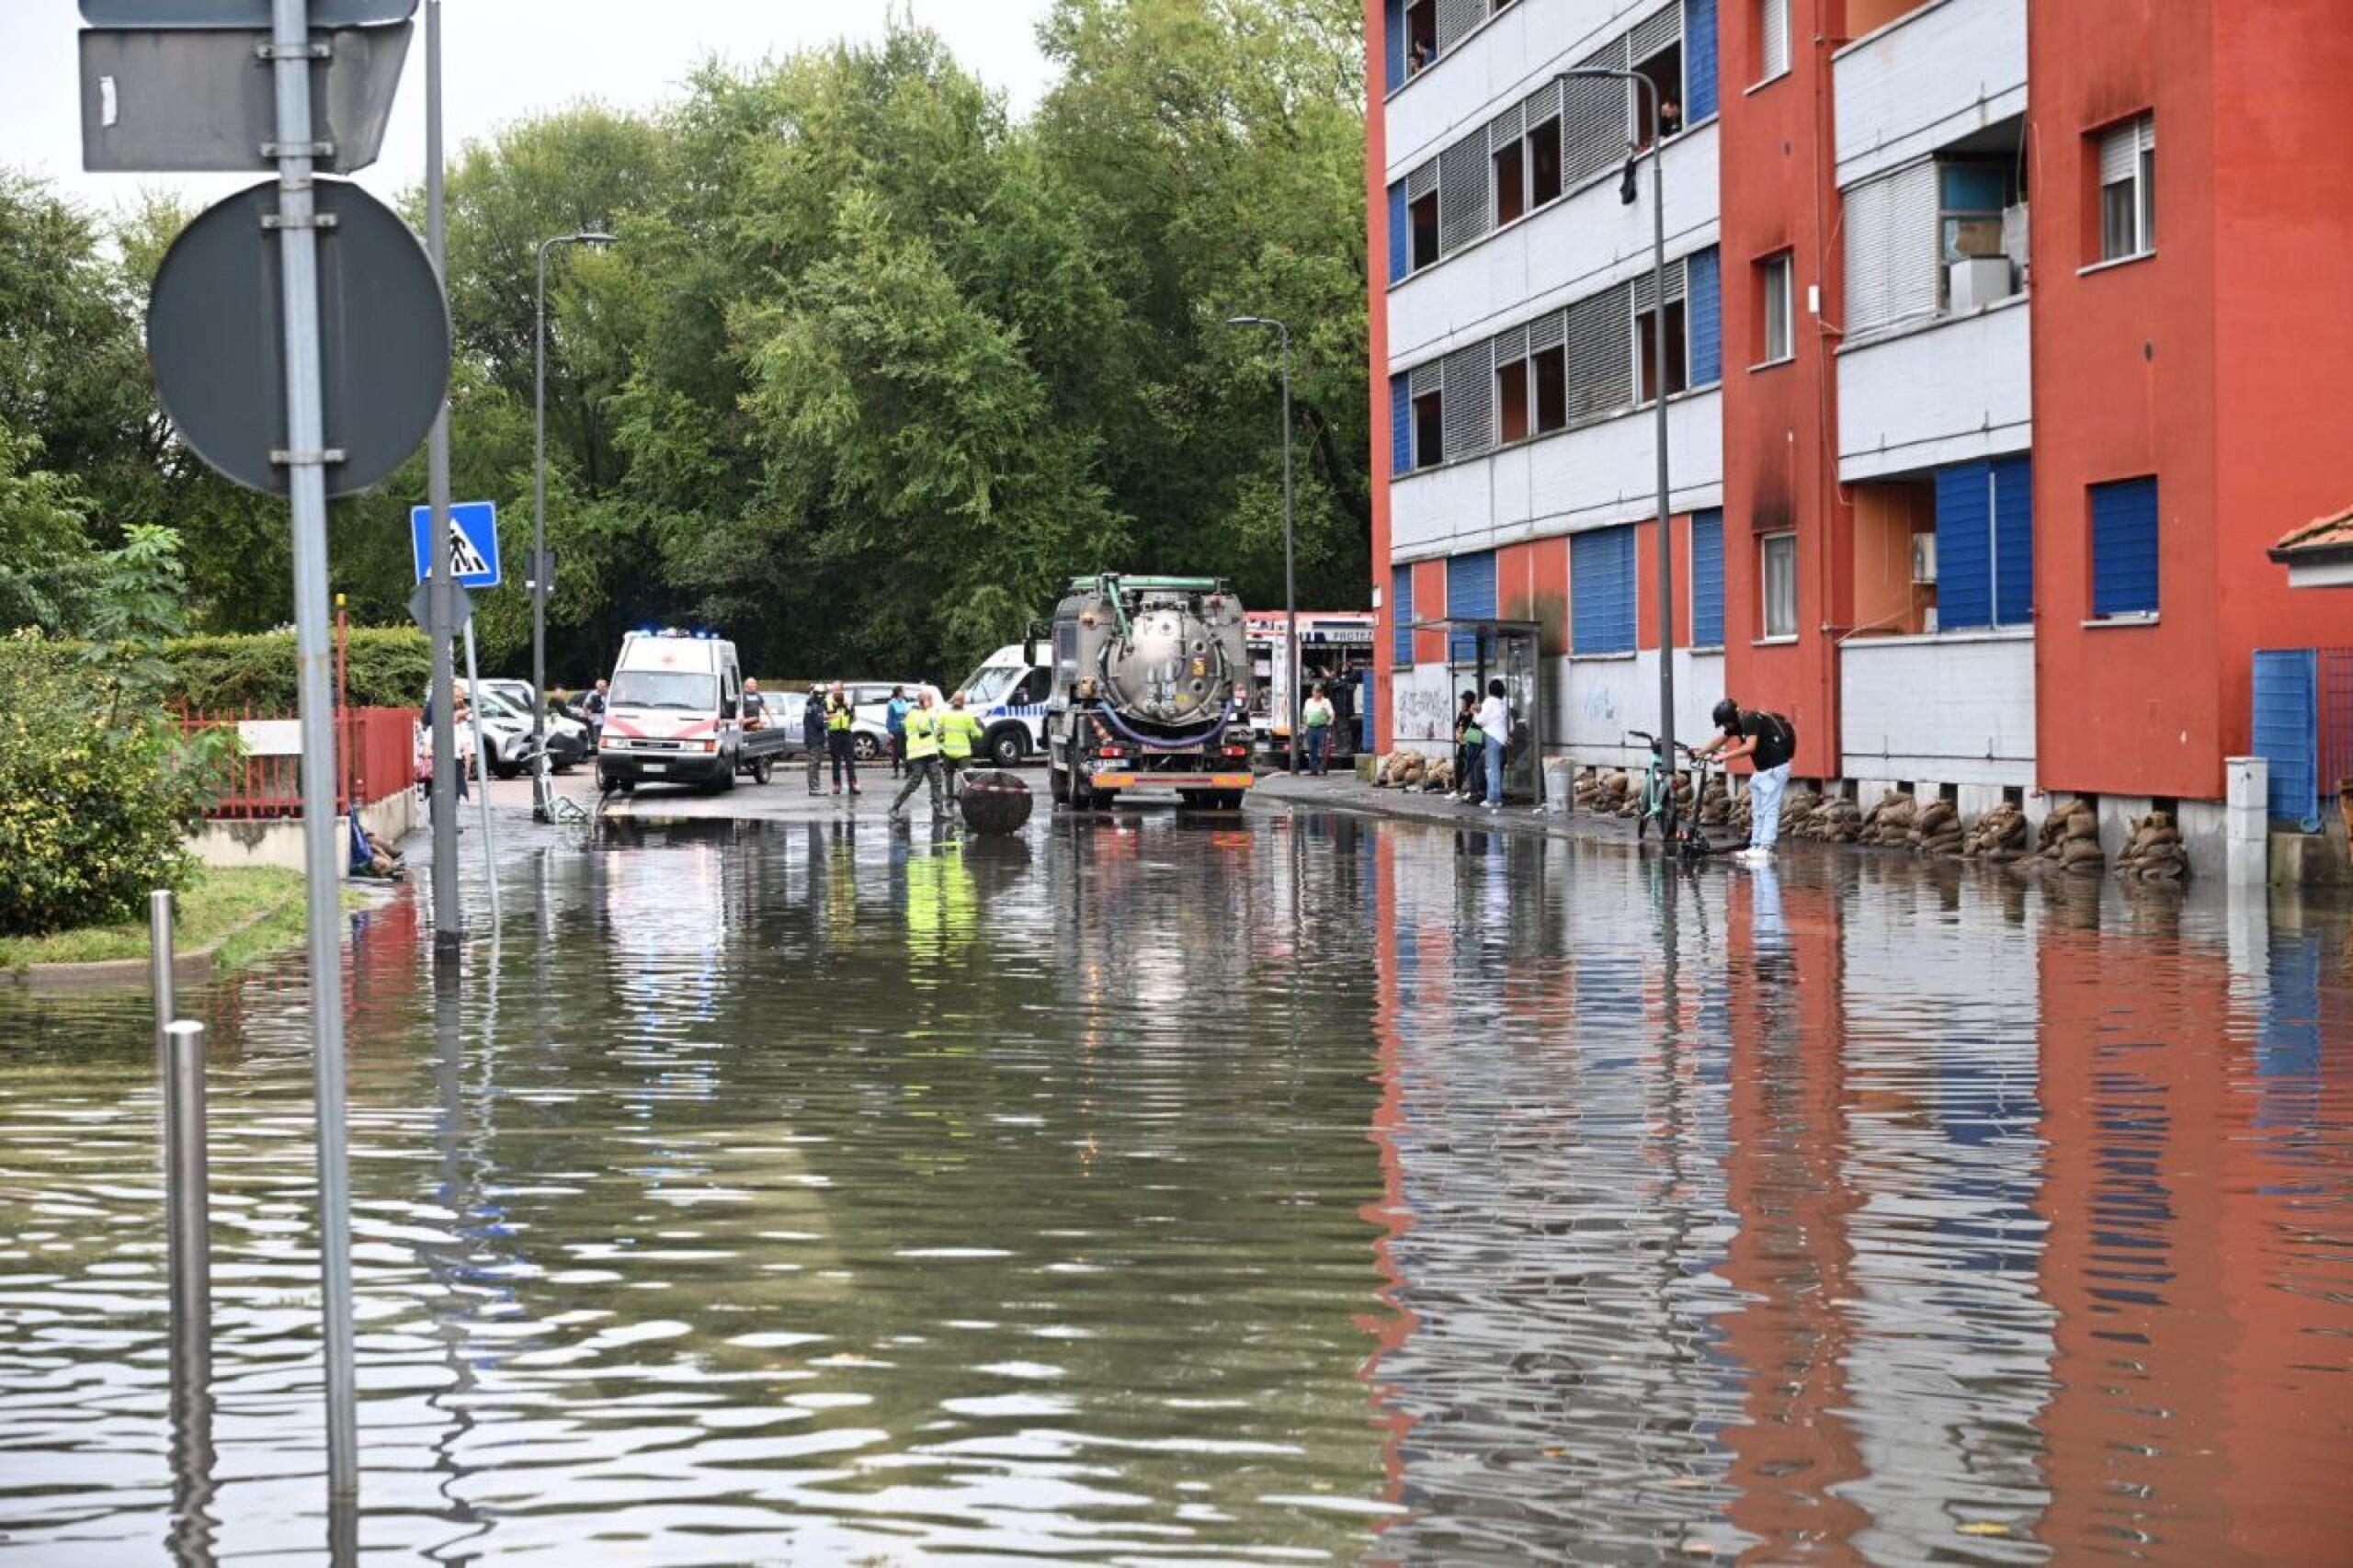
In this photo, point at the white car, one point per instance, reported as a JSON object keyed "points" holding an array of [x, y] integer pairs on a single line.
{"points": [[506, 731], [869, 722]]}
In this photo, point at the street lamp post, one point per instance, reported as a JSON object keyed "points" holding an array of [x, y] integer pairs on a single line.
{"points": [[539, 806], [1641, 85], [1291, 568]]}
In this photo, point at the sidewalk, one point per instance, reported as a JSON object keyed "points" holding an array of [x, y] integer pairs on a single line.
{"points": [[1343, 792]]}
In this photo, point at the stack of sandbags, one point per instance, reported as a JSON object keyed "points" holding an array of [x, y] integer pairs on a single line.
{"points": [[1799, 802], [1999, 835], [1715, 806], [1833, 820], [1937, 829], [1889, 824], [2153, 853], [1405, 770], [1380, 770], [1439, 776], [1610, 789], [2070, 840]]}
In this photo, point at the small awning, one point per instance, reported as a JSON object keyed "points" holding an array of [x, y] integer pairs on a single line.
{"points": [[2320, 553]]}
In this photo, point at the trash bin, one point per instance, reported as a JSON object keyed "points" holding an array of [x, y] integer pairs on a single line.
{"points": [[994, 800], [1560, 783]]}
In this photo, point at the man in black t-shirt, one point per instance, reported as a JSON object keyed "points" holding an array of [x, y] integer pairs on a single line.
{"points": [[1769, 742]]}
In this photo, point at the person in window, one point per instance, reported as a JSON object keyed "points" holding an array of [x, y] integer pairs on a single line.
{"points": [[1769, 742], [1494, 727], [1419, 59], [1670, 117]]}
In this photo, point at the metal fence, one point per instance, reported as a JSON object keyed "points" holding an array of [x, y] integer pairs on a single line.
{"points": [[375, 758]]}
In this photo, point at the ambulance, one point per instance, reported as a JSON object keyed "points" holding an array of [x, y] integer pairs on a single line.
{"points": [[673, 714]]}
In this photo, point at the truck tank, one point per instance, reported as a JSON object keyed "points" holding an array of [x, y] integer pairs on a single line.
{"points": [[1150, 673]]}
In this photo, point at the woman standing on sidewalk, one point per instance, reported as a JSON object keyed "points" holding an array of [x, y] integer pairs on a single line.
{"points": [[1469, 750], [1495, 726]]}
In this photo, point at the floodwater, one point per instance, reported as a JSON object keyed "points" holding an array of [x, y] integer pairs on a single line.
{"points": [[1266, 1189]]}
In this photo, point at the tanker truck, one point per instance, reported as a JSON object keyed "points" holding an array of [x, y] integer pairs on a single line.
{"points": [[1151, 692]]}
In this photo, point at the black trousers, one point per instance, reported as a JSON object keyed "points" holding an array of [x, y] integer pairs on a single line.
{"points": [[842, 746]]}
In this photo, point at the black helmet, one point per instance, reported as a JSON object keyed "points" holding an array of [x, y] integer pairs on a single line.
{"points": [[1727, 715]]}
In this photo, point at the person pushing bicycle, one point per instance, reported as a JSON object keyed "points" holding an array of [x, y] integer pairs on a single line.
{"points": [[1769, 742]]}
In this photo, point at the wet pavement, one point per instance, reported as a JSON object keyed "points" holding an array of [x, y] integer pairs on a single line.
{"points": [[1285, 1186]]}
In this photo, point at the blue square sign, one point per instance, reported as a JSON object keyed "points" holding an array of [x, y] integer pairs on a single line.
{"points": [[473, 542]]}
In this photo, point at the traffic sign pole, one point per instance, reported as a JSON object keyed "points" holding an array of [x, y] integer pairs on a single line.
{"points": [[305, 459], [448, 929]]}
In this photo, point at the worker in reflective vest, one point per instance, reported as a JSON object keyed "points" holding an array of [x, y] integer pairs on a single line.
{"points": [[959, 736], [922, 734], [840, 744]]}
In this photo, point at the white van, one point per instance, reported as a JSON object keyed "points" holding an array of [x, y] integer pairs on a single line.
{"points": [[1008, 694], [673, 714]]}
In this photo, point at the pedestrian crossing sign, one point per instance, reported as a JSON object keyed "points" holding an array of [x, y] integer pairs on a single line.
{"points": [[473, 542]]}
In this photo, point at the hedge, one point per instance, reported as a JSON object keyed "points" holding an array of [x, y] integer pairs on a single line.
{"points": [[388, 667]]}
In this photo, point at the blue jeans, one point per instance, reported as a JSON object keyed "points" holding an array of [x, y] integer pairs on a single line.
{"points": [[1494, 771], [1319, 741], [1765, 788]]}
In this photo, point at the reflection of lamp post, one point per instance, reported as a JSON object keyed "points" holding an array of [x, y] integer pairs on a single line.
{"points": [[1291, 580], [1641, 85], [540, 522]]}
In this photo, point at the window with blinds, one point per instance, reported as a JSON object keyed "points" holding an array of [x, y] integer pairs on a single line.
{"points": [[1708, 578], [1601, 591], [1779, 581], [1772, 38], [2124, 548], [2128, 189], [1892, 249]]}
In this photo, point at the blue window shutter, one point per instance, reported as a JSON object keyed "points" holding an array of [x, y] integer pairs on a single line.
{"points": [[1704, 315], [1395, 29], [1601, 591], [2287, 730], [1964, 546], [1469, 594], [1400, 426], [1401, 234], [2124, 548], [1698, 59], [2012, 541], [1401, 611], [1708, 578]]}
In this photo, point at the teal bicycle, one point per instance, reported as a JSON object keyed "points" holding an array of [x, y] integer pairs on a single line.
{"points": [[1677, 833]]}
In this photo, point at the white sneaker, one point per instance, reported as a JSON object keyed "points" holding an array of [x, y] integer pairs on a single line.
{"points": [[1752, 855]]}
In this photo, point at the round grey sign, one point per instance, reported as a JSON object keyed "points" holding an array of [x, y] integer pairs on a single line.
{"points": [[216, 336]]}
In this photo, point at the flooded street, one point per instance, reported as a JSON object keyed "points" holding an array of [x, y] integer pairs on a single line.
{"points": [[1256, 1188]]}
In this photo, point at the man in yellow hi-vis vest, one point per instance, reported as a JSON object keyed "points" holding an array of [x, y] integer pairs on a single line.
{"points": [[840, 743], [959, 736], [922, 736]]}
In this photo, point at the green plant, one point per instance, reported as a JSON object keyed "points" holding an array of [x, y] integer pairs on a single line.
{"points": [[98, 794], [386, 667]]}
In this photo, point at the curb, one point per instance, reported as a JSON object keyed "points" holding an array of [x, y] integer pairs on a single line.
{"points": [[101, 974]]}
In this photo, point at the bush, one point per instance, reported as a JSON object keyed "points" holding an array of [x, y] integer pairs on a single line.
{"points": [[98, 793], [388, 667]]}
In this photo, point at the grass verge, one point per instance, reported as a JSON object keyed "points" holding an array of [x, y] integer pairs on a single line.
{"points": [[250, 910]]}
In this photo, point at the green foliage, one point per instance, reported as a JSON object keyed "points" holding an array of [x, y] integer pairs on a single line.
{"points": [[96, 795], [385, 667]]}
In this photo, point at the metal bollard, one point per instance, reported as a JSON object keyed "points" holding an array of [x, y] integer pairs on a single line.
{"points": [[187, 1197], [160, 980]]}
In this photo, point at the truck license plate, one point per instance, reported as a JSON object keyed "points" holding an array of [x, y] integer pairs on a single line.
{"points": [[655, 767]]}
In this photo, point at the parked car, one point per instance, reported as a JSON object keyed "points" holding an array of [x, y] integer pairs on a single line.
{"points": [[506, 731], [869, 726]]}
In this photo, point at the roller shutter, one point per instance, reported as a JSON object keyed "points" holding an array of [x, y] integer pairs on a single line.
{"points": [[1470, 596], [1400, 426], [1592, 121], [1704, 317], [1964, 546], [1654, 33], [1469, 407], [1891, 248], [1457, 19], [1708, 578], [1600, 355], [1601, 591], [1401, 613], [1465, 194], [2012, 541], [1698, 59], [2124, 548], [1401, 234], [1773, 30]]}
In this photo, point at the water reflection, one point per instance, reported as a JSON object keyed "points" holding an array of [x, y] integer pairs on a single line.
{"points": [[1157, 1187]]}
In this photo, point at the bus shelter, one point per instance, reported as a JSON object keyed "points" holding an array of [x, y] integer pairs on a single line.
{"points": [[1479, 651]]}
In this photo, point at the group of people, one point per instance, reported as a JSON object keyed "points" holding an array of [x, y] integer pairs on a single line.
{"points": [[1482, 736], [925, 744]]}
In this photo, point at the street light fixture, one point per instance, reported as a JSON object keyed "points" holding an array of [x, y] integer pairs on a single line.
{"points": [[1290, 577], [1641, 85], [541, 806]]}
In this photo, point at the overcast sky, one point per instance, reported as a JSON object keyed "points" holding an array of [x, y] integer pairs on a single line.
{"points": [[506, 60]]}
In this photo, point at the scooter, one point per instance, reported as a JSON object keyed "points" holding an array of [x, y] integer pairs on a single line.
{"points": [[1678, 832]]}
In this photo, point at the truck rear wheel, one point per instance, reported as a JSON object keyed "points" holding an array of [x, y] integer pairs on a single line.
{"points": [[761, 769]]}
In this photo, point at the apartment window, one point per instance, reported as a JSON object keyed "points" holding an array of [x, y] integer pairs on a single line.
{"points": [[1551, 375], [1400, 615], [1973, 264], [1544, 162], [1775, 308], [1779, 554], [1708, 578], [1429, 429], [2128, 189], [1511, 400], [2124, 548], [1665, 71], [1891, 257], [1400, 426], [1422, 216], [1511, 182], [1678, 361], [1772, 38], [1601, 591], [1421, 36]]}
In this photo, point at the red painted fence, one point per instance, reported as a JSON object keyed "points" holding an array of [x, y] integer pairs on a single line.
{"points": [[375, 757]]}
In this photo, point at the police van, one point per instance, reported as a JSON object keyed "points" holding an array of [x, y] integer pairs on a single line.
{"points": [[1008, 694]]}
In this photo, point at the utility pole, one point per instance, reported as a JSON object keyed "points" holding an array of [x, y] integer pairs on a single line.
{"points": [[305, 459], [448, 923], [1290, 570], [1639, 85]]}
